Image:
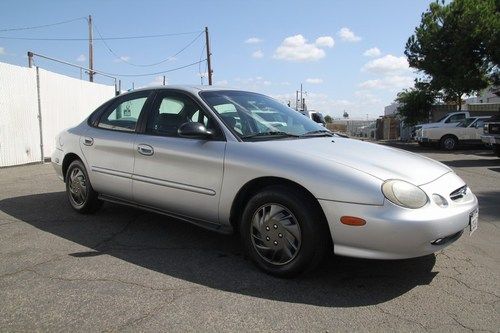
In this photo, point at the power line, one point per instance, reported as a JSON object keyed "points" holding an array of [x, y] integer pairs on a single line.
{"points": [[107, 38], [144, 65], [155, 73], [44, 25]]}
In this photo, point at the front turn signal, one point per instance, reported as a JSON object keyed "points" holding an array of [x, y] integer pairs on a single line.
{"points": [[352, 221]]}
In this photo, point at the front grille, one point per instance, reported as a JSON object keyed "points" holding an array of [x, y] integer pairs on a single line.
{"points": [[494, 128], [459, 193]]}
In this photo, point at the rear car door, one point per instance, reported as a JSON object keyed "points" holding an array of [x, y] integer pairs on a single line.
{"points": [[108, 145], [181, 176]]}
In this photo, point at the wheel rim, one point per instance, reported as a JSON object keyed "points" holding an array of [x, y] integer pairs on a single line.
{"points": [[276, 234], [77, 186], [449, 143]]}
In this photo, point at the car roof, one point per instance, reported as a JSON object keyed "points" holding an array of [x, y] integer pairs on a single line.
{"points": [[194, 89]]}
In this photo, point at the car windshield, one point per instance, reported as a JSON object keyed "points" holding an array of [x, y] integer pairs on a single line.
{"points": [[443, 118], [255, 116]]}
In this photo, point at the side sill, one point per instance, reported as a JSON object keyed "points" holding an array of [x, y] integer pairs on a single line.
{"points": [[227, 230]]}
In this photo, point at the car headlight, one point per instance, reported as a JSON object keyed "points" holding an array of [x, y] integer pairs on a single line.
{"points": [[404, 194]]}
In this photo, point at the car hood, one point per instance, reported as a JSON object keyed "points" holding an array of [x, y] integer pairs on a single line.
{"points": [[379, 161], [431, 125]]}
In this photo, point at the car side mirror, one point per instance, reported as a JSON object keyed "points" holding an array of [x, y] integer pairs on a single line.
{"points": [[194, 130]]}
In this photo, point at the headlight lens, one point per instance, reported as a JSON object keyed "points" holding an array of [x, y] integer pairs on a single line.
{"points": [[404, 194]]}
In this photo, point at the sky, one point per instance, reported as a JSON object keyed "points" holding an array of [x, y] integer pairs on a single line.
{"points": [[349, 55]]}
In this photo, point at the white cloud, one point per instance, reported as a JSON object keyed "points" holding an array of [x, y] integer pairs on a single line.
{"points": [[81, 58], [122, 58], [258, 54], [325, 41], [373, 52], [347, 35], [390, 82], [296, 48], [253, 40], [158, 81], [252, 83], [314, 80], [2, 51], [387, 64]]}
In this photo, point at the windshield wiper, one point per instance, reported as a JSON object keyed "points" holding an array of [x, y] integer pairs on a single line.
{"points": [[317, 133], [270, 133]]}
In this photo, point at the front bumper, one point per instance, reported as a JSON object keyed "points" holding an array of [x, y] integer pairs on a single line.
{"points": [[393, 232], [490, 139]]}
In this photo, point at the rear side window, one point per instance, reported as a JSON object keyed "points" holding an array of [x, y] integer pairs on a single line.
{"points": [[456, 118], [124, 113]]}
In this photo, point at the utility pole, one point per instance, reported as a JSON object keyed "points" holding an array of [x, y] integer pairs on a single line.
{"points": [[91, 50], [301, 99], [163, 79], [30, 59], [209, 64], [296, 100]]}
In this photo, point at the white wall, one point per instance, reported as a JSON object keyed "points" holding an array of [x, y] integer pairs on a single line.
{"points": [[64, 101], [19, 130]]}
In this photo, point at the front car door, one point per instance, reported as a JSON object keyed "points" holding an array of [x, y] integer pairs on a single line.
{"points": [[108, 145], [181, 176]]}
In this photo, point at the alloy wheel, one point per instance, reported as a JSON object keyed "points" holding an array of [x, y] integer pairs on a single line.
{"points": [[77, 186], [276, 234]]}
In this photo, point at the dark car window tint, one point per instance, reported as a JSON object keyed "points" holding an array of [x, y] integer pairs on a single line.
{"points": [[124, 116]]}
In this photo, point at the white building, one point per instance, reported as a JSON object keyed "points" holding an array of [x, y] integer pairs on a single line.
{"points": [[391, 109]]}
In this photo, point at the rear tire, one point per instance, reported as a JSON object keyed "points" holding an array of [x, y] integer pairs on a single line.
{"points": [[448, 142], [283, 231], [81, 195]]}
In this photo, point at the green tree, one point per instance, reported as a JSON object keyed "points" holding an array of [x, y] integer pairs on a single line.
{"points": [[457, 46], [416, 103], [328, 119]]}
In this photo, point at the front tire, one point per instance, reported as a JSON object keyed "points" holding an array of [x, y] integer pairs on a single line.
{"points": [[284, 232], [81, 195]]}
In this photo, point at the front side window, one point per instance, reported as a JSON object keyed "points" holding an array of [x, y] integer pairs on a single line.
{"points": [[124, 114], [252, 115], [171, 110]]}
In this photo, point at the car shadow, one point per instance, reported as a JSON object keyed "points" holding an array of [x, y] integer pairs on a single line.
{"points": [[187, 252], [473, 163]]}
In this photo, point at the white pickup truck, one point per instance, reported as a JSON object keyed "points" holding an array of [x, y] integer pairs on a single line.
{"points": [[468, 131], [448, 120]]}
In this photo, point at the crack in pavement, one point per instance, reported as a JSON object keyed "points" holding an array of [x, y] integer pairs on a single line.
{"points": [[105, 241], [149, 314], [30, 268], [130, 283], [468, 286]]}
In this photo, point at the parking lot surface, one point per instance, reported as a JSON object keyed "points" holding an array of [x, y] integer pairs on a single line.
{"points": [[124, 269]]}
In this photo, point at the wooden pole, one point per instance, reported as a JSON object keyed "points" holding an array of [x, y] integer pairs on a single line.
{"points": [[209, 62], [91, 50]]}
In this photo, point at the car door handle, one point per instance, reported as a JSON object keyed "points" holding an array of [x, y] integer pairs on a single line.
{"points": [[146, 150], [88, 141]]}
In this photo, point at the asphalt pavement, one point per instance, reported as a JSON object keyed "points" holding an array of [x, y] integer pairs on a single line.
{"points": [[123, 269]]}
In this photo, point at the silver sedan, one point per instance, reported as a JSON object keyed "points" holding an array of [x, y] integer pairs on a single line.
{"points": [[236, 161]]}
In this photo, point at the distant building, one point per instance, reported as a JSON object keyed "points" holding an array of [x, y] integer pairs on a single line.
{"points": [[489, 95], [389, 110]]}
